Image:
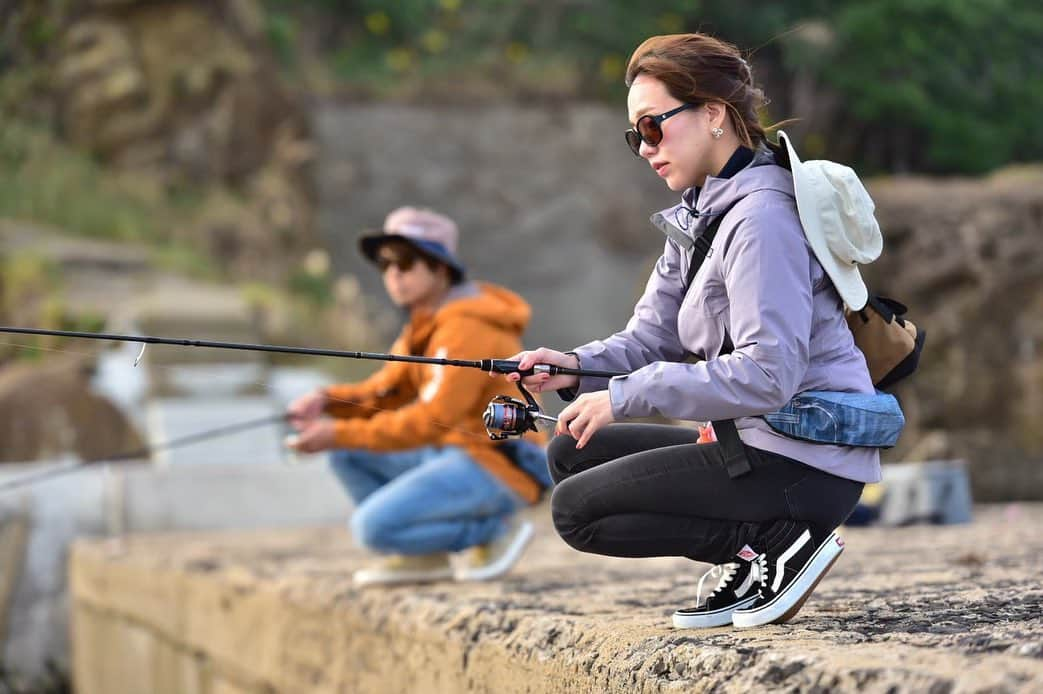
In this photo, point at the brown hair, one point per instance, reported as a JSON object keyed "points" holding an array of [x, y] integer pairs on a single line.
{"points": [[697, 68]]}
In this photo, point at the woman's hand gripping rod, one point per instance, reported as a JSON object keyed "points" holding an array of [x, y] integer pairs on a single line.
{"points": [[505, 366]]}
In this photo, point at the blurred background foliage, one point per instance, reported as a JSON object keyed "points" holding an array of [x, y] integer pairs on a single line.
{"points": [[940, 86], [185, 125], [244, 142]]}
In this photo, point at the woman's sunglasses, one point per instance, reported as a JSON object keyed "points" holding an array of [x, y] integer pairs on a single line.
{"points": [[649, 129]]}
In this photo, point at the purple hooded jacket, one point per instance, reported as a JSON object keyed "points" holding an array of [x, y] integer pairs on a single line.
{"points": [[761, 288]]}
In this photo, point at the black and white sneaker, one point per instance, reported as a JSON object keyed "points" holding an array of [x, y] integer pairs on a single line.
{"points": [[738, 583], [789, 573]]}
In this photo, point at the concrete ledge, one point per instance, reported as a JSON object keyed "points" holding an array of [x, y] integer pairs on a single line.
{"points": [[131, 498], [955, 608]]}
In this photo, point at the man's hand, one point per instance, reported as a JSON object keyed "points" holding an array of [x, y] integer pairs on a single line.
{"points": [[585, 415], [314, 437], [303, 411]]}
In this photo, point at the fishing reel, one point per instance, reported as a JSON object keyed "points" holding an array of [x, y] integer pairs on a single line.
{"points": [[506, 416]]}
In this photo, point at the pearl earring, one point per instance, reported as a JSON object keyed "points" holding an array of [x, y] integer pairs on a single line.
{"points": [[717, 132]]}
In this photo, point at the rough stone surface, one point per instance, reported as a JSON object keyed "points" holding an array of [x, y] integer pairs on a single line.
{"points": [[940, 609], [966, 255]]}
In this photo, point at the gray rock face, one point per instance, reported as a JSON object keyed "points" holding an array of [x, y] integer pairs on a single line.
{"points": [[550, 201]]}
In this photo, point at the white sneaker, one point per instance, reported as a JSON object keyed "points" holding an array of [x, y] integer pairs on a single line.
{"points": [[402, 568], [482, 562], [737, 586]]}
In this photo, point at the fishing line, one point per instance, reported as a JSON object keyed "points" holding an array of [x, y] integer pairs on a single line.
{"points": [[143, 452]]}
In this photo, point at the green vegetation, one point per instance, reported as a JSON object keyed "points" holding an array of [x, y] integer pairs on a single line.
{"points": [[49, 182], [955, 83], [46, 181], [947, 86]]}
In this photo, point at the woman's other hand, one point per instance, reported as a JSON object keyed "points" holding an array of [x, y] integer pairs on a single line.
{"points": [[585, 415]]}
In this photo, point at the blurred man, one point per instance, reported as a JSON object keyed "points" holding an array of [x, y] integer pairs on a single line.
{"points": [[408, 443]]}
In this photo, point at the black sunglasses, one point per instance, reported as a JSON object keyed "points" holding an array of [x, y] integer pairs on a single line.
{"points": [[649, 129], [403, 260]]}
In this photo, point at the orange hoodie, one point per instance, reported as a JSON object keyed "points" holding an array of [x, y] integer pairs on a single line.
{"points": [[408, 405]]}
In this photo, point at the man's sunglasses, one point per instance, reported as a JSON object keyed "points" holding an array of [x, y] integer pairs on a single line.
{"points": [[404, 261], [649, 129]]}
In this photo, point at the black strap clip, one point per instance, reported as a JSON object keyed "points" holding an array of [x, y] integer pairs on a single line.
{"points": [[735, 460]]}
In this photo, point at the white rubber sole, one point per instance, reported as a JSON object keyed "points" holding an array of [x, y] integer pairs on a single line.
{"points": [[522, 536], [706, 620], [786, 604]]}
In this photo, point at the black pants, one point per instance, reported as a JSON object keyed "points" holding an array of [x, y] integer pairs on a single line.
{"points": [[648, 490]]}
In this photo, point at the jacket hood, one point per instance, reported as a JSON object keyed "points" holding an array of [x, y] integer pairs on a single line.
{"points": [[487, 302], [492, 304], [717, 194]]}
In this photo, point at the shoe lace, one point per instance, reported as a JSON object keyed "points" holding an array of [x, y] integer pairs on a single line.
{"points": [[759, 567], [722, 573]]}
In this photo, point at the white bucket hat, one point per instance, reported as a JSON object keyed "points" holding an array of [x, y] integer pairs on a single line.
{"points": [[837, 215]]}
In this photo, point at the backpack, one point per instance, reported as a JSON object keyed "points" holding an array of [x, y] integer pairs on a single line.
{"points": [[891, 343]]}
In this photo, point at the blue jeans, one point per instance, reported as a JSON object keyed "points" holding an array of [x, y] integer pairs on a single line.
{"points": [[423, 500]]}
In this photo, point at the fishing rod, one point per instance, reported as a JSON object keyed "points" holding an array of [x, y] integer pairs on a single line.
{"points": [[499, 366], [504, 417], [62, 468]]}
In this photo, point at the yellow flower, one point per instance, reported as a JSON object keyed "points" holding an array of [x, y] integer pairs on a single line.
{"points": [[435, 41], [378, 23], [450, 5], [516, 52], [399, 59], [611, 67], [671, 23]]}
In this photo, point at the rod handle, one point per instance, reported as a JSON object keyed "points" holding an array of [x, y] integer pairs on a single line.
{"points": [[506, 366]]}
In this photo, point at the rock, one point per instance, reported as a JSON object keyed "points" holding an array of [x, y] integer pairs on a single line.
{"points": [[47, 410], [965, 256], [187, 92], [277, 612], [573, 211]]}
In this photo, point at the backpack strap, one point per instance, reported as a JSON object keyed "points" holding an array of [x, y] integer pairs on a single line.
{"points": [[701, 247], [735, 460]]}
